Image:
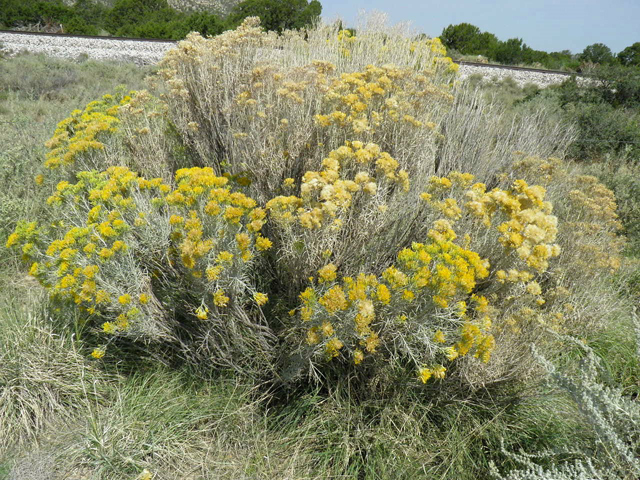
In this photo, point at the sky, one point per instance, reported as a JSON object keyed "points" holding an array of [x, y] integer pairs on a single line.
{"points": [[549, 25]]}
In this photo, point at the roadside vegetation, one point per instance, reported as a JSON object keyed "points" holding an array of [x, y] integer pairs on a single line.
{"points": [[315, 255]]}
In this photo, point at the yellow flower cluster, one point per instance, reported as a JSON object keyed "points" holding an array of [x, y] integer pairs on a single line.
{"points": [[27, 233], [80, 133], [596, 225], [592, 226], [365, 101], [209, 208], [211, 229], [437, 372], [438, 276], [441, 266], [528, 229], [325, 195], [440, 62]]}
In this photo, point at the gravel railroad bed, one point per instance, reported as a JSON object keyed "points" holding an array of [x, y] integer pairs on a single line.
{"points": [[521, 77], [140, 52], [150, 52]]}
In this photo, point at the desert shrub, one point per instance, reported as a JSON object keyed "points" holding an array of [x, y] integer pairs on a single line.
{"points": [[482, 131], [120, 129], [395, 256], [134, 244], [604, 130], [622, 176], [34, 89]]}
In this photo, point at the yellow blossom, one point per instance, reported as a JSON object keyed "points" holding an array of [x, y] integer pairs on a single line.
{"points": [[424, 374], [358, 356], [224, 257], [333, 347], [124, 299], [220, 299], [97, 353], [451, 353], [201, 312], [533, 288], [439, 372], [260, 298], [108, 327], [102, 297], [312, 336], [327, 273]]}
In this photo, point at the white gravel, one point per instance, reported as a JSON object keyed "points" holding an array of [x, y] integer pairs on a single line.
{"points": [[521, 77], [152, 52], [98, 48]]}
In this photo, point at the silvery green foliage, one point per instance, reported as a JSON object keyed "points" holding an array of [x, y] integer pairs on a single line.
{"points": [[577, 470], [615, 419]]}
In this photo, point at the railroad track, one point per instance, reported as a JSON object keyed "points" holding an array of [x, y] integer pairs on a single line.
{"points": [[151, 50]]}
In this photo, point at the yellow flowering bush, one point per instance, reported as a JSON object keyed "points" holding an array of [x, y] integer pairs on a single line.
{"points": [[319, 212], [81, 133], [271, 106], [418, 311], [147, 261], [121, 129]]}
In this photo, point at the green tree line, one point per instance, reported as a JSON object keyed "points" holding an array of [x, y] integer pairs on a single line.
{"points": [[154, 18], [468, 39]]}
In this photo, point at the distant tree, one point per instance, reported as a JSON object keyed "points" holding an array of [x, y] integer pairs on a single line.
{"points": [[510, 52], [469, 40], [277, 15], [487, 44], [78, 26], [597, 53], [630, 55], [531, 56], [565, 58], [207, 24], [126, 15], [15, 12], [462, 37], [88, 18]]}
